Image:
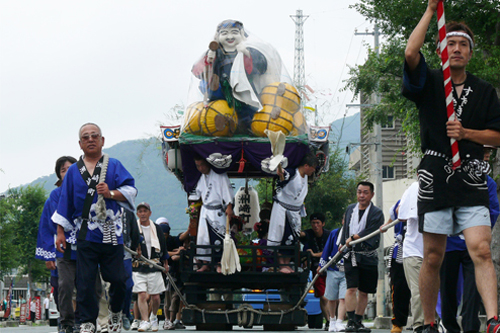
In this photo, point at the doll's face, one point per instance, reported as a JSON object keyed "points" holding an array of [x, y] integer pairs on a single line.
{"points": [[229, 38]]}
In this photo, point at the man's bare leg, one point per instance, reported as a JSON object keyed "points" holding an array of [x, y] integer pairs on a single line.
{"points": [[323, 303], [478, 240], [142, 303], [341, 309], [434, 248], [332, 308], [362, 302], [351, 299], [155, 304]]}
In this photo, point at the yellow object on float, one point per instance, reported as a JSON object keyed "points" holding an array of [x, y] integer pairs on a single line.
{"points": [[192, 122], [280, 102], [272, 118], [299, 124], [218, 119], [215, 119], [282, 95]]}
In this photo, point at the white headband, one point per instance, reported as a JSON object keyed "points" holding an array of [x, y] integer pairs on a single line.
{"points": [[461, 34]]}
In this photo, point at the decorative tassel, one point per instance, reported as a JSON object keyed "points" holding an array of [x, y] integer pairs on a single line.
{"points": [[242, 162]]}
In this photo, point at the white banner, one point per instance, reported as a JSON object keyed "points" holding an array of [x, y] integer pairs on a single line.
{"points": [[319, 133], [170, 133]]}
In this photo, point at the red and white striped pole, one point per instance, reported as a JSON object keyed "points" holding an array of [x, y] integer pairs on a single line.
{"points": [[450, 109]]}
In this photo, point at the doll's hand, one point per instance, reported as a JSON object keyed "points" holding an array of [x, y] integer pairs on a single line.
{"points": [[210, 56], [242, 47]]}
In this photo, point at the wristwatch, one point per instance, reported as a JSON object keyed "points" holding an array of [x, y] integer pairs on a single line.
{"points": [[112, 194]]}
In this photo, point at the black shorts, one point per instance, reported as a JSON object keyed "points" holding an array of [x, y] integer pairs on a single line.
{"points": [[365, 278]]}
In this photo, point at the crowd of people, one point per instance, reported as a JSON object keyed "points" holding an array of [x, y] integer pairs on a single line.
{"points": [[86, 223], [445, 222]]}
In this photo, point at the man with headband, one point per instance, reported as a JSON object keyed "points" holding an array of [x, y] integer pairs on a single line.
{"points": [[453, 201]]}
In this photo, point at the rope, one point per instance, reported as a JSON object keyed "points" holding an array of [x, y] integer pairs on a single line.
{"points": [[101, 204], [450, 109], [243, 311], [246, 315], [108, 227], [161, 268], [342, 251]]}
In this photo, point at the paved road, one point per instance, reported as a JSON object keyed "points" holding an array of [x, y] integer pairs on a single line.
{"points": [[49, 329]]}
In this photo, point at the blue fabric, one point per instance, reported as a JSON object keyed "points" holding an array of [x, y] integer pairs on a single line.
{"points": [[494, 205], [74, 190], [330, 250], [413, 83], [47, 230], [398, 229], [45, 248]]}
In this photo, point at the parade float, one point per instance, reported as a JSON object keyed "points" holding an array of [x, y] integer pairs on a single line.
{"points": [[244, 117]]}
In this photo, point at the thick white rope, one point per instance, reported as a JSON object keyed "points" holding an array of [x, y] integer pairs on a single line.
{"points": [[101, 204]]}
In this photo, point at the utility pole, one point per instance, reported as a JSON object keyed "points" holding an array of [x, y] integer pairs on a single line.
{"points": [[298, 63], [379, 198]]}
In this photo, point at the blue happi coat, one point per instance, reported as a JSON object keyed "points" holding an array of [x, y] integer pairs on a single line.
{"points": [[74, 190]]}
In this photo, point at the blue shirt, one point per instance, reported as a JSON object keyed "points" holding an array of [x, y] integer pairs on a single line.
{"points": [[74, 191], [330, 250]]}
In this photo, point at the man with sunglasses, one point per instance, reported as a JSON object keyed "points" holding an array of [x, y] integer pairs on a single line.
{"points": [[99, 239]]}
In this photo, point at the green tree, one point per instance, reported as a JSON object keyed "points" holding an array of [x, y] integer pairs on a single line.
{"points": [[21, 211], [332, 192], [9, 256], [383, 73]]}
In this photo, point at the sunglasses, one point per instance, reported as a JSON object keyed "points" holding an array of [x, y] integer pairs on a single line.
{"points": [[87, 137]]}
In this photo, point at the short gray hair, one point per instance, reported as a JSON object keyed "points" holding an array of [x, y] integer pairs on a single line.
{"points": [[86, 124]]}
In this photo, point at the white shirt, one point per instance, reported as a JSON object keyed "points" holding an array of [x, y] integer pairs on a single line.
{"points": [[46, 303], [146, 232], [295, 191], [413, 245]]}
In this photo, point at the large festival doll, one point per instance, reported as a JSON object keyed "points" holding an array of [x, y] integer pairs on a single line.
{"points": [[236, 68]]}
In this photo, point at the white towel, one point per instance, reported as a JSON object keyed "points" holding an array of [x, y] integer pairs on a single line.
{"points": [[154, 236], [356, 225]]}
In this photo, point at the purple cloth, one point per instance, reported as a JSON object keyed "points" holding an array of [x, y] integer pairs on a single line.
{"points": [[255, 150]]}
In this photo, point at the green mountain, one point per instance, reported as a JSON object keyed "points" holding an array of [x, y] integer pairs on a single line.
{"points": [[161, 189], [156, 185]]}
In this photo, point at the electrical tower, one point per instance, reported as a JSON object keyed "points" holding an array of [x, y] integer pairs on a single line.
{"points": [[298, 66]]}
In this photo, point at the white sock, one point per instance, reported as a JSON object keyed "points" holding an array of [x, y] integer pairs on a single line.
{"points": [[339, 320], [332, 319], [176, 321]]}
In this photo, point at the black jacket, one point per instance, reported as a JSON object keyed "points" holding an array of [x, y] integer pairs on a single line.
{"points": [[374, 221], [157, 256]]}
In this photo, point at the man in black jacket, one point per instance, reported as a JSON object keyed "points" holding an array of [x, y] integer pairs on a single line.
{"points": [[360, 264]]}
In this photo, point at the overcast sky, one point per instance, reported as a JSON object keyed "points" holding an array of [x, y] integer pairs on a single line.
{"points": [[124, 64]]}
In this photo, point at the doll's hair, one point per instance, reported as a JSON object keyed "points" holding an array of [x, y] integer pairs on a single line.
{"points": [[230, 24]]}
